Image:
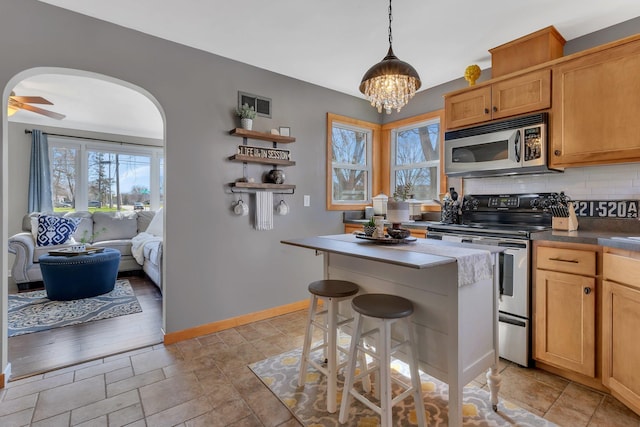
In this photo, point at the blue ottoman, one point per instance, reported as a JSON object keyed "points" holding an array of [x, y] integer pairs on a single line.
{"points": [[82, 276]]}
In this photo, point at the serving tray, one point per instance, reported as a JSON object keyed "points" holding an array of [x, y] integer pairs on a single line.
{"points": [[70, 252], [386, 240]]}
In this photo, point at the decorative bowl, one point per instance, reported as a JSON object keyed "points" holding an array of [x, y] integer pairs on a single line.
{"points": [[398, 233]]}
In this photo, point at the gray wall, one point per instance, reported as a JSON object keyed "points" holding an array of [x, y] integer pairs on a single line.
{"points": [[217, 265]]}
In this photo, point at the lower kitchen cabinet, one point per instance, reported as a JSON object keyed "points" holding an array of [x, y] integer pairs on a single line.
{"points": [[350, 228], [565, 292], [620, 328], [415, 232]]}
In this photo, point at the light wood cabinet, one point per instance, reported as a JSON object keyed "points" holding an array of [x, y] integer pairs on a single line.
{"points": [[596, 105], [350, 228], [565, 308], [620, 326], [502, 98]]}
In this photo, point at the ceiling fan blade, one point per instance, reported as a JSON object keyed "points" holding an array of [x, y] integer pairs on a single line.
{"points": [[47, 113], [32, 99]]}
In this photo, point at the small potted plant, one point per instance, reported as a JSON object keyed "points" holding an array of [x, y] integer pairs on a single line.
{"points": [[370, 227], [246, 114]]}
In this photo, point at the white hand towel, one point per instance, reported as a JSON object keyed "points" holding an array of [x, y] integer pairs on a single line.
{"points": [[264, 210]]}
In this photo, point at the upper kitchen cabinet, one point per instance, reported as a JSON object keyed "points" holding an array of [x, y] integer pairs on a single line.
{"points": [[500, 98], [596, 105]]}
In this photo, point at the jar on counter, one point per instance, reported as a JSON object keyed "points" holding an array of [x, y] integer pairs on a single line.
{"points": [[380, 204]]}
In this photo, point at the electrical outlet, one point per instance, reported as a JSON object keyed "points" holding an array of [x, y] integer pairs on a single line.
{"points": [[307, 200]]}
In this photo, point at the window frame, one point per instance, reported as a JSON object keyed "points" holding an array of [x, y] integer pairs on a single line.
{"points": [[82, 159], [372, 160], [388, 128]]}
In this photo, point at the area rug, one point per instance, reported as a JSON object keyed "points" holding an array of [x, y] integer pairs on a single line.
{"points": [[308, 403], [33, 312]]}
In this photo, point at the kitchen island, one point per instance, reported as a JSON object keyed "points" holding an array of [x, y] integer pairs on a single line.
{"points": [[455, 297]]}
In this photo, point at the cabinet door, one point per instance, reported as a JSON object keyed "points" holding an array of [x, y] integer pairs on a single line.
{"points": [[350, 228], [468, 107], [418, 233], [596, 108], [523, 94], [621, 343], [565, 321]]}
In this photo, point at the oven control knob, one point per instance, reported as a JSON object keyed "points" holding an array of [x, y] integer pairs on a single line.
{"points": [[535, 203]]}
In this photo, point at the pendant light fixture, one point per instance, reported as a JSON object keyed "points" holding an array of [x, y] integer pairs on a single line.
{"points": [[391, 83]]}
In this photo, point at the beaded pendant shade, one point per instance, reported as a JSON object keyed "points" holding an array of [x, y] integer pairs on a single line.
{"points": [[391, 83]]}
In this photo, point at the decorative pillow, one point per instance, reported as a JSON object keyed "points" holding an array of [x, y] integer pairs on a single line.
{"points": [[155, 226], [55, 230]]}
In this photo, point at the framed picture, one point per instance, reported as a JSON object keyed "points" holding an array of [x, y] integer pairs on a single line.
{"points": [[284, 131]]}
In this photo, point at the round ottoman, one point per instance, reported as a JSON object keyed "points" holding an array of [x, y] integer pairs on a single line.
{"points": [[82, 276]]}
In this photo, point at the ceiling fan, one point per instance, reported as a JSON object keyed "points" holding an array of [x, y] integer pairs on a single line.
{"points": [[22, 103]]}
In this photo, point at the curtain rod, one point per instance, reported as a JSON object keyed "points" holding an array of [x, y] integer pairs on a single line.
{"points": [[27, 131]]}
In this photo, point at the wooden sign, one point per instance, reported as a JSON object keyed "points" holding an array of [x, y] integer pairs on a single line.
{"points": [[263, 153], [607, 208]]}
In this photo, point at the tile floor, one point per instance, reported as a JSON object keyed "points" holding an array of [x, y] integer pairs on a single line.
{"points": [[205, 382]]}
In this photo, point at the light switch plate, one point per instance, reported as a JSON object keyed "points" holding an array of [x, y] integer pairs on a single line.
{"points": [[307, 200]]}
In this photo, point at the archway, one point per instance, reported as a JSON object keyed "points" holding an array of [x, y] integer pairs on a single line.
{"points": [[7, 178]]}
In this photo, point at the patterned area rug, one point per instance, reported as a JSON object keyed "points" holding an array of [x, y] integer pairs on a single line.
{"points": [[33, 312], [308, 403]]}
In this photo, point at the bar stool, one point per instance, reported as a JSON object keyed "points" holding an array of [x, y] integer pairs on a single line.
{"points": [[331, 292], [387, 310]]}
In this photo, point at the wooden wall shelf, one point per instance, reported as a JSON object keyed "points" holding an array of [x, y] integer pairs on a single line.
{"points": [[250, 187], [249, 159], [262, 136]]}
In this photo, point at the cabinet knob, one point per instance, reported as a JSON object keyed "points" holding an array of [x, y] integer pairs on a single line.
{"points": [[557, 152], [587, 290], [486, 111], [495, 109]]}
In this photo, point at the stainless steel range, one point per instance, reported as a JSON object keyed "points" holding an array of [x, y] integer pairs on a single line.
{"points": [[506, 221]]}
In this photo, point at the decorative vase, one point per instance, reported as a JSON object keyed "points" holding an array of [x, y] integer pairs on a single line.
{"points": [[276, 176], [369, 230], [246, 124], [397, 212]]}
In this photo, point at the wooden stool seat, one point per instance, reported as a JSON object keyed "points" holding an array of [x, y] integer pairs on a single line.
{"points": [[386, 310], [333, 288], [382, 306]]}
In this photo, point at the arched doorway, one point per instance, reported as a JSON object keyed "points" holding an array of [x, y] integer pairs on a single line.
{"points": [[68, 89]]}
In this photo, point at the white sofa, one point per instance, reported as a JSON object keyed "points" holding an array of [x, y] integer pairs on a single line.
{"points": [[101, 229]]}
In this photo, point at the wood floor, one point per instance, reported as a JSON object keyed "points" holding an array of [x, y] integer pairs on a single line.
{"points": [[39, 352]]}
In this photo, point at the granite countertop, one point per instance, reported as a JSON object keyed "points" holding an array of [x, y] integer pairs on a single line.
{"points": [[616, 233]]}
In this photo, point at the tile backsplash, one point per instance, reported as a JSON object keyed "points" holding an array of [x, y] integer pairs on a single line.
{"points": [[611, 182]]}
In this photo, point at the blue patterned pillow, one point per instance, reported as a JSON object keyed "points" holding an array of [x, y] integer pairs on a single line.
{"points": [[55, 230]]}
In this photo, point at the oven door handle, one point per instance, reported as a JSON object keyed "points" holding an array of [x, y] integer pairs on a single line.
{"points": [[511, 321]]}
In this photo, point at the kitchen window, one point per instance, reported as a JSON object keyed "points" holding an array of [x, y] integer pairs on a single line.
{"points": [[351, 144], [415, 156]]}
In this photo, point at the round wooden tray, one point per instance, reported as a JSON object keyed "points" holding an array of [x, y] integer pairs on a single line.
{"points": [[386, 240]]}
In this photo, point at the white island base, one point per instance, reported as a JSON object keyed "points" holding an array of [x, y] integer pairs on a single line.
{"points": [[456, 326]]}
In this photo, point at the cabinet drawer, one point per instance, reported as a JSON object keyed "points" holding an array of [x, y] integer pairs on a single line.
{"points": [[621, 269], [567, 260]]}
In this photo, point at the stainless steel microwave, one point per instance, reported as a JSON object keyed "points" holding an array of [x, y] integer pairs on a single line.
{"points": [[510, 147]]}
